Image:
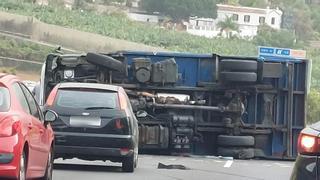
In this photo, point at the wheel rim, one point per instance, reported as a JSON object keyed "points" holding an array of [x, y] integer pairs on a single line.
{"points": [[49, 169], [22, 171]]}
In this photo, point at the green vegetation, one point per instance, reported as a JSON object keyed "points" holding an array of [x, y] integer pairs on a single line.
{"points": [[228, 26], [181, 9], [22, 50], [118, 26], [313, 106], [268, 36], [302, 22]]}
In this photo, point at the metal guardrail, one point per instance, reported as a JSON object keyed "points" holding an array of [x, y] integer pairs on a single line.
{"points": [[16, 34], [20, 60]]}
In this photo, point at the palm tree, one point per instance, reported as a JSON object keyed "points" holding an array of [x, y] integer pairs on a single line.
{"points": [[227, 26]]}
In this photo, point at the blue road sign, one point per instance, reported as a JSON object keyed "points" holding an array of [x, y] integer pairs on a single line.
{"points": [[267, 52]]}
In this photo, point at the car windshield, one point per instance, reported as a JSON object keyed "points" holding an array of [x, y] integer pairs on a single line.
{"points": [[88, 99], [4, 99]]}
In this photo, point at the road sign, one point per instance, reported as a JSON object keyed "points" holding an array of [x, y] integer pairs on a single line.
{"points": [[281, 52]]}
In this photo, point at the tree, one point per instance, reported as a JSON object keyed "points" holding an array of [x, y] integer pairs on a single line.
{"points": [[230, 2], [227, 26], [268, 36], [315, 17], [296, 17], [313, 106], [302, 24], [254, 3], [181, 9], [79, 4]]}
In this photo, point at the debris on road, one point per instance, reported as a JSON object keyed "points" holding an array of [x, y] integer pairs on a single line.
{"points": [[212, 157], [172, 166]]}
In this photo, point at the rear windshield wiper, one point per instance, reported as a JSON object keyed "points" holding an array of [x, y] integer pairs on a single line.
{"points": [[101, 107]]}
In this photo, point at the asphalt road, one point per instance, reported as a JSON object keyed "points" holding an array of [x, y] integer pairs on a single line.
{"points": [[198, 169]]}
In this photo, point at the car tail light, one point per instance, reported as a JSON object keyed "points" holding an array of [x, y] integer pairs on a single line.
{"points": [[124, 151], [119, 124], [308, 144], [9, 127], [52, 96], [122, 101]]}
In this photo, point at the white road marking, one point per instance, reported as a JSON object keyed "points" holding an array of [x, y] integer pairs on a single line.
{"points": [[218, 161], [283, 165], [228, 164], [172, 159]]}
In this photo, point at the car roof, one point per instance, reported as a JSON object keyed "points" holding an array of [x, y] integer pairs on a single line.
{"points": [[6, 79], [89, 86]]}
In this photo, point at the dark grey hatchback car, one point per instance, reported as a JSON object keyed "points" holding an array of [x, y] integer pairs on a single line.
{"points": [[96, 122], [307, 165]]}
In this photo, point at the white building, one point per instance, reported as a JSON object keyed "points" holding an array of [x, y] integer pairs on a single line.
{"points": [[145, 17], [68, 4], [135, 3], [247, 18], [42, 2]]}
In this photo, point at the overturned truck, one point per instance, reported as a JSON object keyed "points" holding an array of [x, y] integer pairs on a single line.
{"points": [[200, 103]]}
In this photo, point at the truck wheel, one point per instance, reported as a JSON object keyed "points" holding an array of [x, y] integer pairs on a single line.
{"points": [[128, 164], [235, 141], [105, 61], [238, 65], [238, 153], [238, 77]]}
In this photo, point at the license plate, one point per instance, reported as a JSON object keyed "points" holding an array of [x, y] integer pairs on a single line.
{"points": [[81, 121]]}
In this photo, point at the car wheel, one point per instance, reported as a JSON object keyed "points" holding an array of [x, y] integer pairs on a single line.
{"points": [[238, 153], [224, 140], [136, 161], [23, 167], [128, 164], [238, 65], [49, 169]]}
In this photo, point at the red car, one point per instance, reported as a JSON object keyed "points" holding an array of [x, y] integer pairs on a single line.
{"points": [[26, 137]]}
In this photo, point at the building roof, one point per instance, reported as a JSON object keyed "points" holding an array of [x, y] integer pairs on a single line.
{"points": [[223, 7]]}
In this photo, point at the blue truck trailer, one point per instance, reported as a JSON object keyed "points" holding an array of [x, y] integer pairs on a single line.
{"points": [[209, 104]]}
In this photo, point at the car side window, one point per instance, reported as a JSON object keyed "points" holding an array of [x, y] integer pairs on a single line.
{"points": [[31, 101], [21, 98]]}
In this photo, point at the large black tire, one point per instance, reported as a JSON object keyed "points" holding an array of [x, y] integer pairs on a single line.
{"points": [[236, 141], [247, 77], [105, 61], [237, 153], [238, 65], [128, 164], [49, 168]]}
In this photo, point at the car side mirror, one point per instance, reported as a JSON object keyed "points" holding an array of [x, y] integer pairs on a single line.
{"points": [[50, 116]]}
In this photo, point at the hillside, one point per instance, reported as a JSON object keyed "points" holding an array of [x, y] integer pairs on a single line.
{"points": [[118, 26]]}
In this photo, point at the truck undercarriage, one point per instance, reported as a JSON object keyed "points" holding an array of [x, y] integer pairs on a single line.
{"points": [[202, 104]]}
